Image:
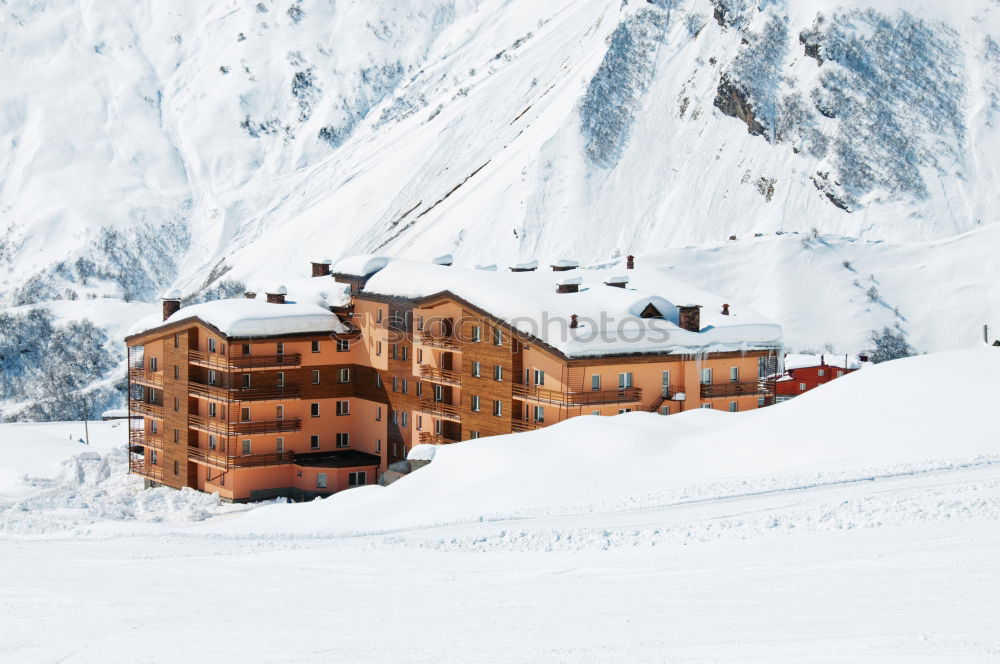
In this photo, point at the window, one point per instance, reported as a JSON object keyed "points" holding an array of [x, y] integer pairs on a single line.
{"points": [[345, 375], [539, 377], [154, 426], [706, 405], [343, 439], [420, 322], [177, 468], [177, 341], [314, 347], [596, 412], [665, 384], [476, 368], [802, 387], [280, 378], [438, 427], [420, 422], [222, 480], [498, 372], [406, 386], [420, 389], [706, 376], [378, 347], [314, 442], [279, 444], [475, 403], [177, 372], [177, 435], [497, 337], [394, 351], [315, 376], [246, 380], [211, 441], [357, 478], [343, 408], [246, 349], [539, 414], [734, 374], [406, 352], [211, 345], [212, 409], [246, 446], [153, 364], [498, 408], [279, 412], [733, 407], [624, 380], [760, 402], [476, 334], [213, 377], [820, 372], [438, 393], [279, 348], [314, 410], [245, 414], [378, 446], [378, 315], [405, 419], [177, 403], [595, 382], [378, 413], [622, 411], [152, 457], [378, 380], [473, 435], [664, 410], [420, 356], [320, 480], [343, 345], [393, 416], [840, 373], [395, 384]]}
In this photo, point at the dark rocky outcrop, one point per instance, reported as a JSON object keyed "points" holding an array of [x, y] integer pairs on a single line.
{"points": [[732, 101]]}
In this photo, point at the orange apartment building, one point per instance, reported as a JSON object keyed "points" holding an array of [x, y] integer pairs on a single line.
{"points": [[256, 398]]}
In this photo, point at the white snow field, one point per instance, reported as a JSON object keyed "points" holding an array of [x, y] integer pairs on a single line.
{"points": [[856, 523]]}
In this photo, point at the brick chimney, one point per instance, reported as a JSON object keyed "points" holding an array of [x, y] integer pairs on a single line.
{"points": [[171, 303], [321, 268], [573, 322], [570, 285], [617, 282], [278, 296], [689, 317], [725, 310], [630, 262]]}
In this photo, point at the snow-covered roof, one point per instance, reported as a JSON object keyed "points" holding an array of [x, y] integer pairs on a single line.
{"points": [[803, 360], [566, 263], [241, 317], [361, 265], [609, 317]]}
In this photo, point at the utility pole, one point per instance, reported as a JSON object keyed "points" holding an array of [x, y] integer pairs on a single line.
{"points": [[86, 431], [986, 334]]}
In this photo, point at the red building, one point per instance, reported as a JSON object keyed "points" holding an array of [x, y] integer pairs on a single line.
{"points": [[804, 372]]}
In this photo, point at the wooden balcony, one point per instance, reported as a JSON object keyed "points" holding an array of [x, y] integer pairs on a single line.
{"points": [[518, 426], [435, 375], [585, 398], [224, 428], [138, 466], [143, 377], [439, 409], [733, 389], [138, 437], [445, 341], [220, 459], [147, 409], [244, 362], [243, 393], [428, 438]]}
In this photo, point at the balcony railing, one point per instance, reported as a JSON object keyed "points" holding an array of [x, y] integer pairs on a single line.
{"points": [[440, 375], [140, 437], [140, 375], [446, 341], [533, 393], [244, 393], [440, 409], [224, 428], [428, 438], [223, 460], [138, 466], [242, 362], [733, 389], [525, 425], [144, 408]]}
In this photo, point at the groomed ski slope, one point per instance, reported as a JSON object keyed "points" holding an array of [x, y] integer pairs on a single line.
{"points": [[856, 523]]}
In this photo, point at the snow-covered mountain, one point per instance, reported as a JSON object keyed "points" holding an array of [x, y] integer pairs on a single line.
{"points": [[205, 144]]}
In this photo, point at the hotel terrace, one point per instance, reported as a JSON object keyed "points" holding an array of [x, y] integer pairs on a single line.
{"points": [[320, 389]]}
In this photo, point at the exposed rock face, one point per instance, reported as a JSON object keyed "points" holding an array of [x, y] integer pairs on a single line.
{"points": [[732, 101]]}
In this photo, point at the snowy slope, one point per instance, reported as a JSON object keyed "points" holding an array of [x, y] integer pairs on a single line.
{"points": [[200, 144]]}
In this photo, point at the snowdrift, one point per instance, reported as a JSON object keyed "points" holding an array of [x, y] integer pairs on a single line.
{"points": [[904, 416]]}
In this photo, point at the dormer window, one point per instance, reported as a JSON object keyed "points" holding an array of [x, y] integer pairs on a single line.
{"points": [[649, 311]]}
